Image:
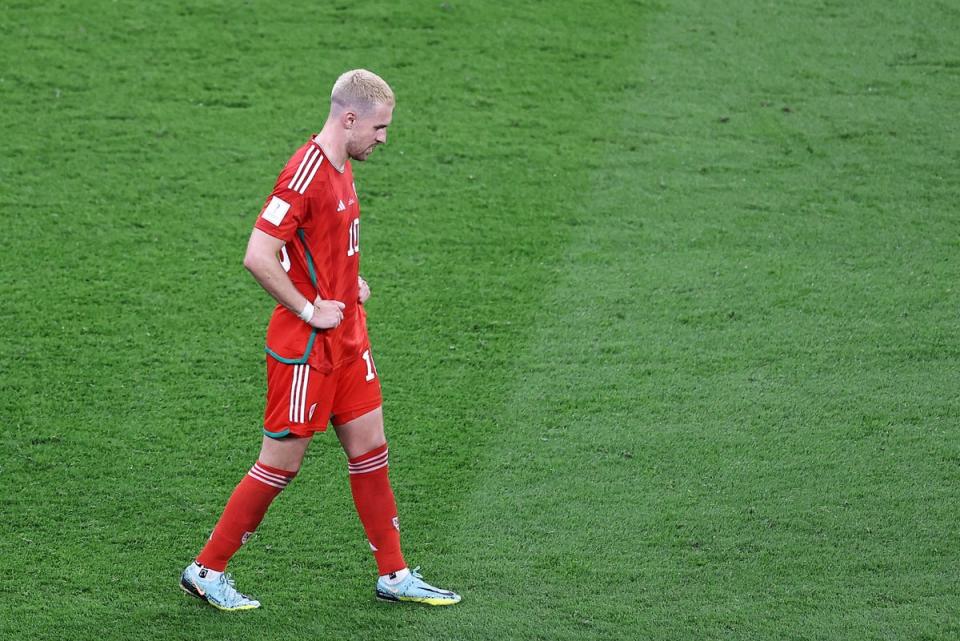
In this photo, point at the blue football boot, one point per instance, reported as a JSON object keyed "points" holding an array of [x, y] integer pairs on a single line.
{"points": [[218, 592], [415, 590]]}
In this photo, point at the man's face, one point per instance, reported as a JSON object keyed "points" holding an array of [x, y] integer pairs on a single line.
{"points": [[369, 130]]}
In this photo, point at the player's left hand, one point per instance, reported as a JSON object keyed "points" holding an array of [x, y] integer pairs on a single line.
{"points": [[364, 290]]}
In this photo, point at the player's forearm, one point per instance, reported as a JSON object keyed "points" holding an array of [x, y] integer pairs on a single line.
{"points": [[268, 272]]}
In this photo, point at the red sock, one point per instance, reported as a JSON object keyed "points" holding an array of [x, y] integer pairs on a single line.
{"points": [[370, 484], [244, 511]]}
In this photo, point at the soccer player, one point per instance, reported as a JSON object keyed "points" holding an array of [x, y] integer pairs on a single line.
{"points": [[305, 251]]}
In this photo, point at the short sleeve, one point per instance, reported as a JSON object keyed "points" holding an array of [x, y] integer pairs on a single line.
{"points": [[288, 205], [282, 214]]}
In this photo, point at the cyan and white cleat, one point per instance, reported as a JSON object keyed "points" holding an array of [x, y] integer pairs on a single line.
{"points": [[218, 592], [415, 590]]}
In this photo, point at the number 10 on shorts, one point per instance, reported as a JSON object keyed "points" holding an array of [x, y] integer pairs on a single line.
{"points": [[371, 369]]}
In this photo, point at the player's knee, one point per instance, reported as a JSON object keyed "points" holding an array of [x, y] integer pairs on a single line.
{"points": [[284, 453]]}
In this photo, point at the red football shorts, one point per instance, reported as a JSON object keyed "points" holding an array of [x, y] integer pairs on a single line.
{"points": [[301, 400]]}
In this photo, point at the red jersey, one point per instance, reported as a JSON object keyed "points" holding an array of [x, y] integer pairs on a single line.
{"points": [[314, 210]]}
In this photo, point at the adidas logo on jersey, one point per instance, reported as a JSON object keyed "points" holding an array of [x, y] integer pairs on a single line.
{"points": [[341, 206]]}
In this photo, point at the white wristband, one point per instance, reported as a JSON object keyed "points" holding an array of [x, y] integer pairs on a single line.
{"points": [[307, 312]]}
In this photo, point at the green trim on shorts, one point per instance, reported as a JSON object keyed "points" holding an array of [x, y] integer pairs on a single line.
{"points": [[277, 435], [296, 361]]}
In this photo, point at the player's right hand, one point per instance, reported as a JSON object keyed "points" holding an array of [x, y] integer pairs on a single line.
{"points": [[328, 313]]}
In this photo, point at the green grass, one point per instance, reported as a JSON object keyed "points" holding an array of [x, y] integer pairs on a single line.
{"points": [[664, 304]]}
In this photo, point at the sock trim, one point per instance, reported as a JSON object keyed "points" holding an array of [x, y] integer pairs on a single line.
{"points": [[268, 475], [372, 464]]}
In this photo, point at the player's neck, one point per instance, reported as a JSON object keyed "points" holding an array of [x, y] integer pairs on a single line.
{"points": [[333, 148]]}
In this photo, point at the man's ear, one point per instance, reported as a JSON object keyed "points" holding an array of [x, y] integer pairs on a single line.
{"points": [[348, 119]]}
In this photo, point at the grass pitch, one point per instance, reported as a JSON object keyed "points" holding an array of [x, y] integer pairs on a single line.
{"points": [[664, 304]]}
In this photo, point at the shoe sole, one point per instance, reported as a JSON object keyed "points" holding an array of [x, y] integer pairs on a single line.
{"points": [[421, 600], [192, 590]]}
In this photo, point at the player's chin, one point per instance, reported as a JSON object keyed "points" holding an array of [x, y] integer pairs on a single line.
{"points": [[362, 155]]}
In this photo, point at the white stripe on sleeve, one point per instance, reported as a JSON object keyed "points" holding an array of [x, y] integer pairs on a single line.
{"points": [[307, 159]]}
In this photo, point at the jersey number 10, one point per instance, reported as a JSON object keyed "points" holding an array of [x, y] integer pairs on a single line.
{"points": [[353, 246]]}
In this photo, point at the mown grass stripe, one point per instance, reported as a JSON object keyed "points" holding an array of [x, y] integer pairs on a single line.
{"points": [[691, 448]]}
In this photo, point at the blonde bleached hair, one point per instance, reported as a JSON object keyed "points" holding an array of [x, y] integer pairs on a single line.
{"points": [[360, 89]]}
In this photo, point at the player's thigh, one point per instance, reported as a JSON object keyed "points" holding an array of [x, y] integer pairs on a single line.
{"points": [[284, 453], [362, 434]]}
